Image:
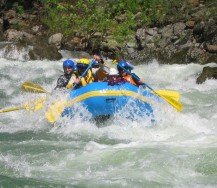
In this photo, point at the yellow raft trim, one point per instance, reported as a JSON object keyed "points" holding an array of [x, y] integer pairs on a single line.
{"points": [[103, 93], [55, 110]]}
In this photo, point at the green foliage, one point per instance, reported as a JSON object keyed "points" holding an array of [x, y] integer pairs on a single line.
{"points": [[118, 18], [20, 9]]}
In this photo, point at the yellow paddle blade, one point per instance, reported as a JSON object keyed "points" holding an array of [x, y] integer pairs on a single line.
{"points": [[55, 110], [30, 106], [169, 93], [35, 105], [31, 87], [176, 104], [39, 104]]}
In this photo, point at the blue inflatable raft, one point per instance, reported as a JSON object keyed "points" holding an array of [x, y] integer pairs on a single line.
{"points": [[102, 99]]}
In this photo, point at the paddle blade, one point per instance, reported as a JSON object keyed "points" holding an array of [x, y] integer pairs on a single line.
{"points": [[35, 105], [55, 111], [169, 93], [31, 87], [29, 106], [176, 104]]}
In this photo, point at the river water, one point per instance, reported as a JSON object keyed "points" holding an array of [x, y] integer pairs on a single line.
{"points": [[180, 150]]}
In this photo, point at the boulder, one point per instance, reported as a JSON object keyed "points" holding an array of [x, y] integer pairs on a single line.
{"points": [[167, 31], [178, 28], [56, 39], [210, 32], [211, 48], [152, 31], [42, 50], [13, 35], [75, 43], [193, 2], [190, 24], [207, 73], [196, 55]]}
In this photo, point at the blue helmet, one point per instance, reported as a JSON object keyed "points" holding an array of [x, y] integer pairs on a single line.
{"points": [[69, 63], [124, 65]]}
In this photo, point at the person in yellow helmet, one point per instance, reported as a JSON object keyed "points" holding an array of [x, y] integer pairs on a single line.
{"points": [[82, 66]]}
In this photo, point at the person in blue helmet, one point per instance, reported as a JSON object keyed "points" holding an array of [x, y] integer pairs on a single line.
{"points": [[124, 70], [69, 78]]}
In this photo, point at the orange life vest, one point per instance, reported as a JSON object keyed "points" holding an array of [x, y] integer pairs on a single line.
{"points": [[130, 79]]}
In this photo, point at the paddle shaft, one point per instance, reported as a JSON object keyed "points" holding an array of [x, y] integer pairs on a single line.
{"points": [[138, 79], [83, 74], [177, 105], [12, 109]]}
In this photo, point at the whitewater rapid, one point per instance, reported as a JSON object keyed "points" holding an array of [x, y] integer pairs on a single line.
{"points": [[180, 150]]}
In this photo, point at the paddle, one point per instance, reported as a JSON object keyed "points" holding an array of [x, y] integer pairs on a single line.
{"points": [[12, 109], [169, 93], [32, 87], [176, 104], [57, 108], [32, 105], [166, 93]]}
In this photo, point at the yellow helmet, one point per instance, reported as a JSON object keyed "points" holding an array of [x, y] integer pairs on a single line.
{"points": [[84, 61]]}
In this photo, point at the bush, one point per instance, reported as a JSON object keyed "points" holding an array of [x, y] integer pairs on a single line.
{"points": [[117, 18]]}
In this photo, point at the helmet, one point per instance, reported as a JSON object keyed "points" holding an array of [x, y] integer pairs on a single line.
{"points": [[83, 63], [68, 63], [124, 65], [113, 71], [81, 66]]}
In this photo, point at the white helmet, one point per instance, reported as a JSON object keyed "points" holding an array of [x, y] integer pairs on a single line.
{"points": [[113, 71]]}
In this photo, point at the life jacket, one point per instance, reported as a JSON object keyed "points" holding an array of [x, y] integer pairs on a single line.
{"points": [[71, 82], [130, 79], [102, 74], [87, 79]]}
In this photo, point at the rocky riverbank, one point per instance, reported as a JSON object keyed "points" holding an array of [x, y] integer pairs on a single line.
{"points": [[190, 39]]}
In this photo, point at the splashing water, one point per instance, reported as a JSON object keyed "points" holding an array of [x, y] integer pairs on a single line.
{"points": [[180, 150]]}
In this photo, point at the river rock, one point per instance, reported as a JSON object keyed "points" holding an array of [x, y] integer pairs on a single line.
{"points": [[35, 29], [10, 14], [190, 24], [193, 2], [178, 28], [42, 50], [13, 35], [196, 55], [167, 31], [210, 32], [111, 44], [56, 39], [211, 48], [152, 31], [207, 73], [74, 43]]}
